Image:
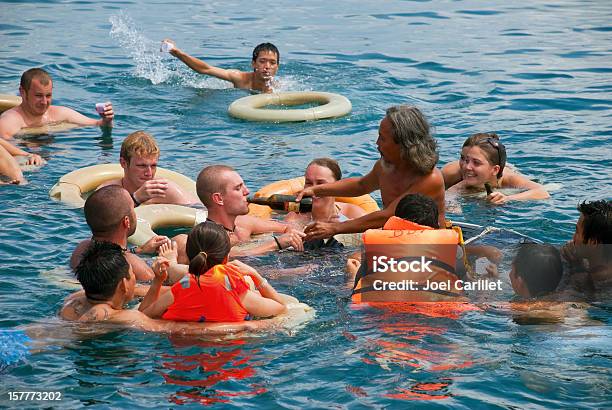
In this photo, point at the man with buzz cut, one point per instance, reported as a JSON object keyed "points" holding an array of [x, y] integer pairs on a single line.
{"points": [[109, 212]]}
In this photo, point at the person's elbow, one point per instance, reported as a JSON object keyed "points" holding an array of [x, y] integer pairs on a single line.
{"points": [[543, 194], [280, 308], [272, 309]]}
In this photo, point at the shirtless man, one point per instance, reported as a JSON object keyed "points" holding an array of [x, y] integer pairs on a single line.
{"points": [[266, 59], [138, 158], [109, 283], [407, 165], [35, 110], [109, 212], [223, 192]]}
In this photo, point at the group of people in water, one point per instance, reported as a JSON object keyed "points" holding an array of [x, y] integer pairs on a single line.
{"points": [[197, 284]]}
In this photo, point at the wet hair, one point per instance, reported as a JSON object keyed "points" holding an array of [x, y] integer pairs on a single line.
{"points": [[139, 143], [266, 47], [596, 221], [492, 147], [106, 208], [101, 268], [210, 180], [32, 73], [330, 164], [540, 267], [412, 132], [419, 209], [208, 244]]}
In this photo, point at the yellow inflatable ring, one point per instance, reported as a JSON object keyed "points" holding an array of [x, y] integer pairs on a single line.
{"points": [[155, 216], [251, 107], [8, 101], [294, 185], [72, 186]]}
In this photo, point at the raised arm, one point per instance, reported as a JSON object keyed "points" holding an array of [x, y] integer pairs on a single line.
{"points": [[197, 65], [160, 268]]}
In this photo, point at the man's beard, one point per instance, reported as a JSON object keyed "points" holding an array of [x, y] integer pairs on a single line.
{"points": [[386, 165]]}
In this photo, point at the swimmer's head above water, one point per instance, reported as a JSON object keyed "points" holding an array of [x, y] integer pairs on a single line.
{"points": [[265, 62], [536, 270], [36, 90], [138, 157], [105, 273], [483, 159], [419, 209], [208, 244]]}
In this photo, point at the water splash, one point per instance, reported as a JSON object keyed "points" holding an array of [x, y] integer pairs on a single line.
{"points": [[145, 52]]}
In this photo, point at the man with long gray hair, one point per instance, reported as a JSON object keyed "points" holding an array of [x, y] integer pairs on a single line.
{"points": [[407, 165]]}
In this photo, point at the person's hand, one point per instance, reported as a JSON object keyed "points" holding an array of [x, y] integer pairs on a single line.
{"points": [[292, 238], [35, 159], [244, 268], [174, 48], [304, 192], [169, 250], [569, 253], [108, 114], [497, 198], [152, 244], [491, 271], [352, 266], [248, 271], [153, 188], [160, 268], [320, 230]]}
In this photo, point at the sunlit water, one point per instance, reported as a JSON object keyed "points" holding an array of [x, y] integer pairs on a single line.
{"points": [[536, 73]]}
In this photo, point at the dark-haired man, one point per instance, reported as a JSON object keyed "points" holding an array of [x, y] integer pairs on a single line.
{"points": [[109, 212], [266, 59], [407, 165], [35, 110], [589, 253]]}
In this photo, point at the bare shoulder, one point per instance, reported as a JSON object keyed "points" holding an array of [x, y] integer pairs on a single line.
{"points": [[430, 182], [11, 121], [451, 174], [75, 258], [351, 211], [97, 313], [240, 79], [514, 179], [247, 222]]}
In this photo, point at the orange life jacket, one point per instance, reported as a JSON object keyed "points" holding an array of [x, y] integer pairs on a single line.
{"points": [[407, 241], [216, 299]]}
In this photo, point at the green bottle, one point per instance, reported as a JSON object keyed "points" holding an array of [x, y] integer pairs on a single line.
{"points": [[284, 203]]}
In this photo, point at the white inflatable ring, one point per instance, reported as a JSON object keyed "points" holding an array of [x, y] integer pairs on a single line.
{"points": [[8, 101], [72, 186], [154, 216], [250, 108]]}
